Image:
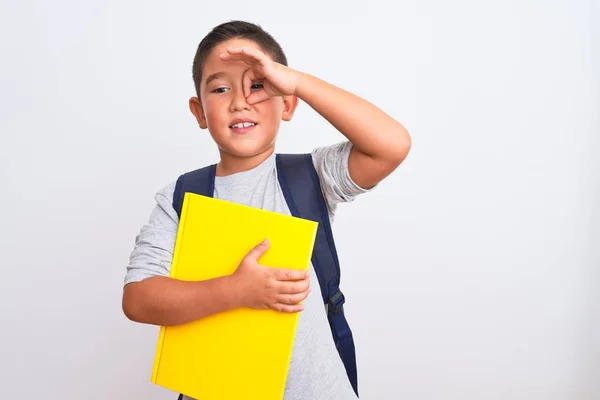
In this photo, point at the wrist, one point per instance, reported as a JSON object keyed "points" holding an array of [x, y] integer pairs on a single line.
{"points": [[233, 287], [302, 81]]}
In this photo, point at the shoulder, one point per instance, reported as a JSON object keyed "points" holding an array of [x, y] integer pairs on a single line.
{"points": [[164, 213], [165, 194], [170, 196], [331, 164], [330, 152]]}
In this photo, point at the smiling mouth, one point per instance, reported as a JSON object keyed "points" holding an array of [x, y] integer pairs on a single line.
{"points": [[242, 125]]}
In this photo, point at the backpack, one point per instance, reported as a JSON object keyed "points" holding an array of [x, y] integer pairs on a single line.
{"points": [[302, 192]]}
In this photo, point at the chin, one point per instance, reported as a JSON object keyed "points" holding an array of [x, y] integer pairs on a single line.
{"points": [[247, 151]]}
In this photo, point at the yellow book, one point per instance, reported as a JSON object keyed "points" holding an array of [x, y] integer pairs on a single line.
{"points": [[239, 354]]}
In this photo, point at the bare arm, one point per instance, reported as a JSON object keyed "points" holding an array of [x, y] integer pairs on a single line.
{"points": [[380, 142], [165, 301]]}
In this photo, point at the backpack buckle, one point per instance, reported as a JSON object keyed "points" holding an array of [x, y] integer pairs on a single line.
{"points": [[336, 302]]}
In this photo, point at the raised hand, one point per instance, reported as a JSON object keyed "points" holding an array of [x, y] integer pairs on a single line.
{"points": [[269, 77]]}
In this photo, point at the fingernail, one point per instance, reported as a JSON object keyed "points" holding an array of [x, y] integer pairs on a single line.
{"points": [[266, 241]]}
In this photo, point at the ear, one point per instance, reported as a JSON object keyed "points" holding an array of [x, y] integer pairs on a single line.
{"points": [[289, 106], [198, 111]]}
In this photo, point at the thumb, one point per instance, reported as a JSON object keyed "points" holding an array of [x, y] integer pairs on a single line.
{"points": [[258, 251]]}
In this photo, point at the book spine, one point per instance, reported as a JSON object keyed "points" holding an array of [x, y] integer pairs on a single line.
{"points": [[173, 274], [184, 208]]}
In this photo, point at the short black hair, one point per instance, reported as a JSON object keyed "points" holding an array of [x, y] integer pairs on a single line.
{"points": [[232, 30]]}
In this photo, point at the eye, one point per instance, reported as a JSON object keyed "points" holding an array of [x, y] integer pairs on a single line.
{"points": [[221, 89], [256, 86]]}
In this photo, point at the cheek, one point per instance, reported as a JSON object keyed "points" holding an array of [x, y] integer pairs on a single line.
{"points": [[271, 109], [213, 110]]}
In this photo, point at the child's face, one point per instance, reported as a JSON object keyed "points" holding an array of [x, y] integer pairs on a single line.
{"points": [[222, 102]]}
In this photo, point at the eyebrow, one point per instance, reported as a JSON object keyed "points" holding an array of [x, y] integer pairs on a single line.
{"points": [[214, 76]]}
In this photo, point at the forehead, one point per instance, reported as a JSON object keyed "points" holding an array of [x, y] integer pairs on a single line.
{"points": [[214, 63]]}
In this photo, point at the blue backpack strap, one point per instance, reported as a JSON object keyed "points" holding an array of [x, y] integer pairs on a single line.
{"points": [[200, 181], [301, 188]]}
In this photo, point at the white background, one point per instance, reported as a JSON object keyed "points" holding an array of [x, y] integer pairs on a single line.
{"points": [[471, 273]]}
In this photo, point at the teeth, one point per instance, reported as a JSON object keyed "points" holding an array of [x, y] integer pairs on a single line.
{"points": [[243, 125]]}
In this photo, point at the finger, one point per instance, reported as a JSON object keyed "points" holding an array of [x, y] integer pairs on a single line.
{"points": [[258, 250], [294, 287], [245, 54], [234, 57], [249, 52], [247, 79], [292, 299], [291, 275], [287, 308], [257, 97]]}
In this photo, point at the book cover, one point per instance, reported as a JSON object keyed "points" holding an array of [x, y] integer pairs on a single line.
{"points": [[243, 353]]}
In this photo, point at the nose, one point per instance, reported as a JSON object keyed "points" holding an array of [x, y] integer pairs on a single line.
{"points": [[238, 102]]}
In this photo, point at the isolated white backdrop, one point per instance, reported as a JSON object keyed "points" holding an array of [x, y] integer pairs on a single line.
{"points": [[471, 273]]}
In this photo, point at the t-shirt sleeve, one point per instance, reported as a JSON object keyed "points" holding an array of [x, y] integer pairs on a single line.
{"points": [[331, 163], [153, 251]]}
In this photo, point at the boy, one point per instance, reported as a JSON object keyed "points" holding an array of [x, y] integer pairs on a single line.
{"points": [[244, 89]]}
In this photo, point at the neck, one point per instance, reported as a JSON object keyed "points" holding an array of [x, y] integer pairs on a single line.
{"points": [[231, 164]]}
